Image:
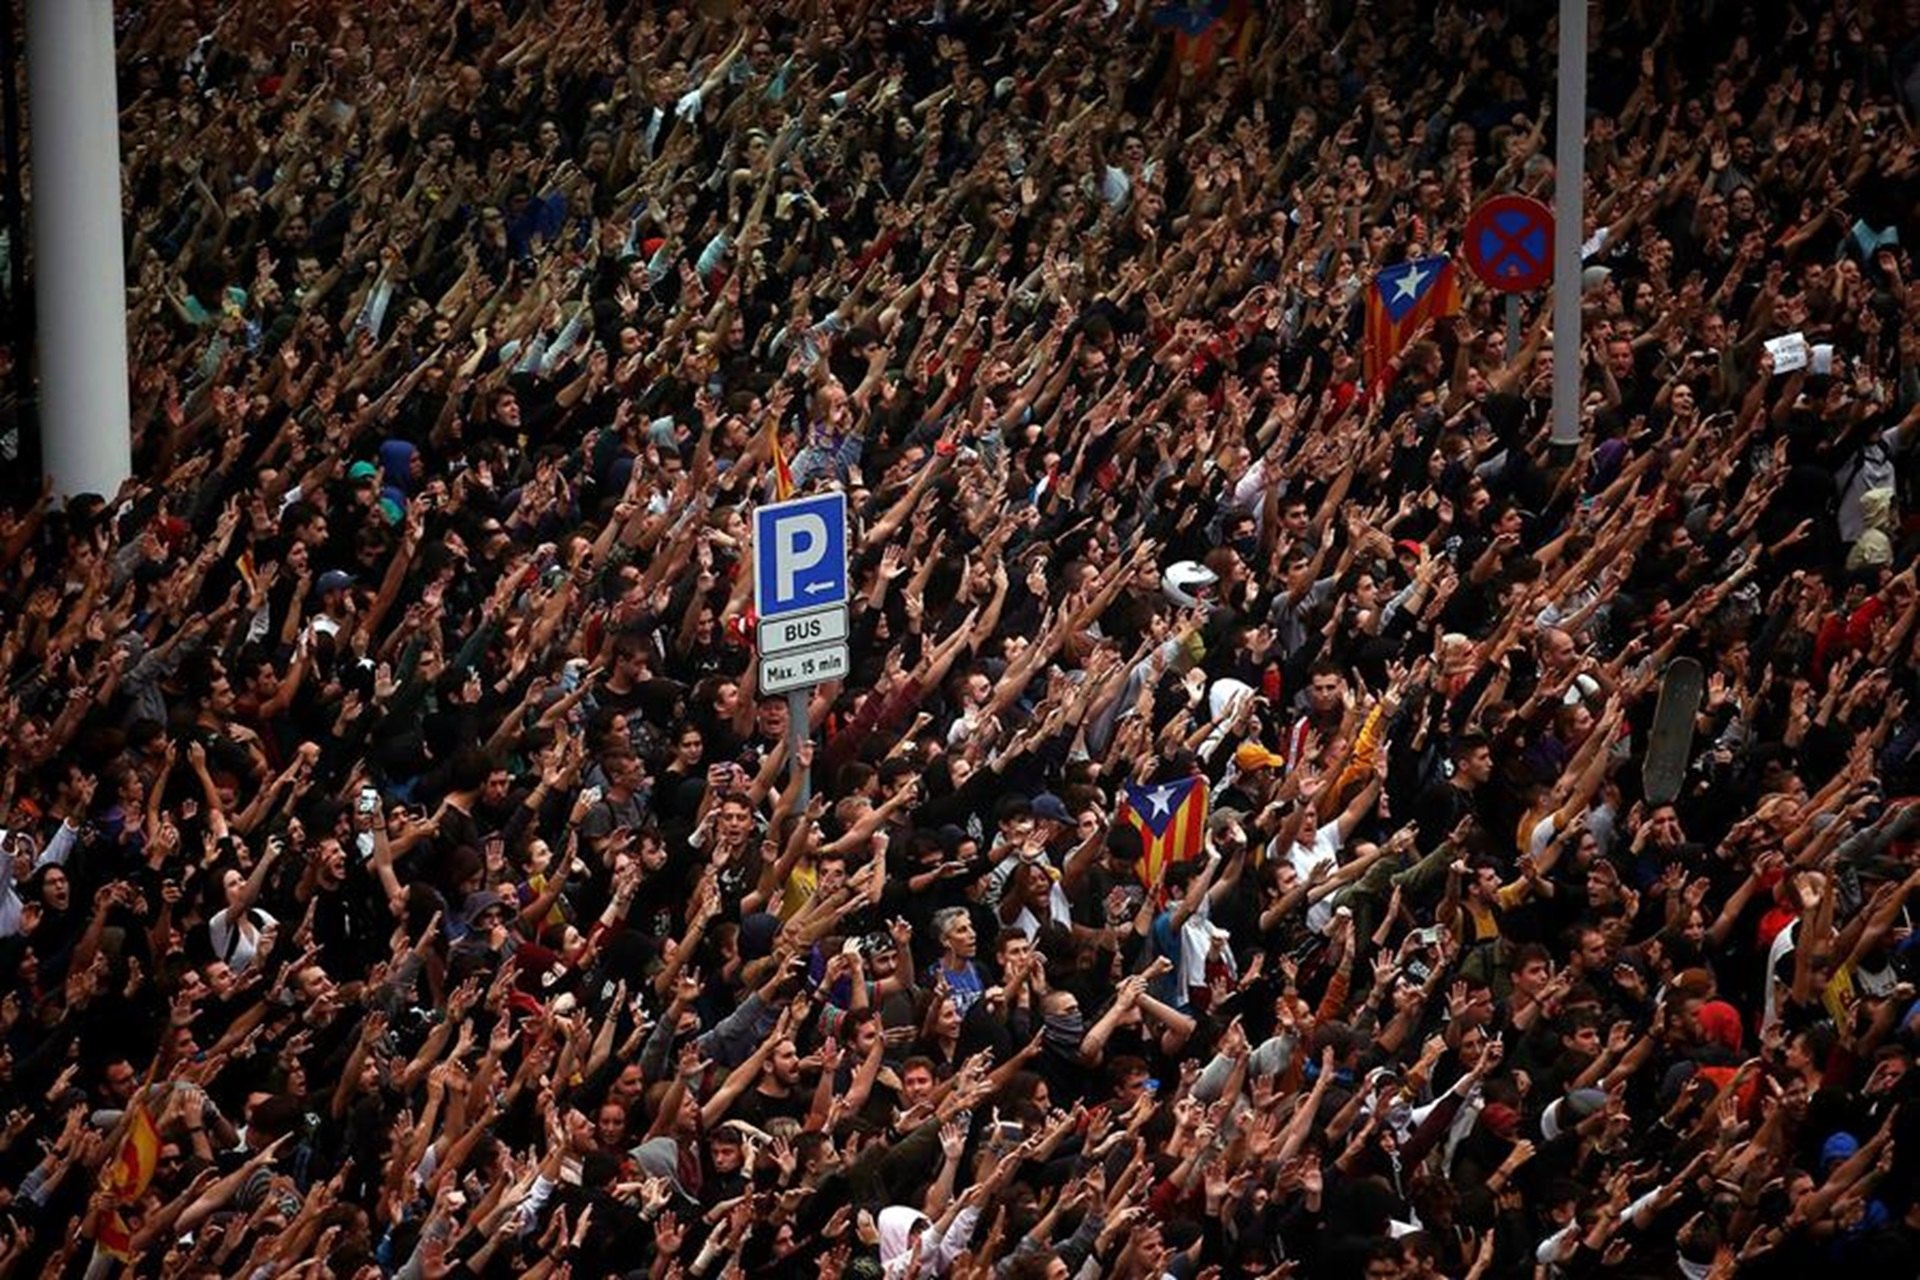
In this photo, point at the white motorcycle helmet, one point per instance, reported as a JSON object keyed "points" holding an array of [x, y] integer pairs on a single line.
{"points": [[1188, 583]]}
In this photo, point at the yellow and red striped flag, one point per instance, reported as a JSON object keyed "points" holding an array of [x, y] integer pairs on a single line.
{"points": [[782, 473], [1204, 31], [127, 1176], [1401, 299], [1172, 820]]}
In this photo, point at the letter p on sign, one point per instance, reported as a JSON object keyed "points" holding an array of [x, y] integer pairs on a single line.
{"points": [[802, 545]]}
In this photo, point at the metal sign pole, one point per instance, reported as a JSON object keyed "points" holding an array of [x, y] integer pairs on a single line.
{"points": [[797, 733], [1513, 325], [1569, 176]]}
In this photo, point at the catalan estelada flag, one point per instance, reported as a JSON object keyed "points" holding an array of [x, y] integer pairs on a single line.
{"points": [[1401, 299], [777, 457], [1172, 820], [1204, 31], [126, 1176]]}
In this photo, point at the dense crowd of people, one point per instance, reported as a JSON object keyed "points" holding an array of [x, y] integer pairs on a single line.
{"points": [[395, 830]]}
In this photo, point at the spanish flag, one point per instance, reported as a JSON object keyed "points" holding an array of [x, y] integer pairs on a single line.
{"points": [[127, 1176], [782, 473], [1172, 820]]}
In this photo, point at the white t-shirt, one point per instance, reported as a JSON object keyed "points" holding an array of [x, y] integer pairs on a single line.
{"points": [[237, 945], [1196, 944], [1323, 850], [1059, 911], [1783, 944]]}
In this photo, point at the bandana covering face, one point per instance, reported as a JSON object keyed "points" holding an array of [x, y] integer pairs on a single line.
{"points": [[1064, 1032]]}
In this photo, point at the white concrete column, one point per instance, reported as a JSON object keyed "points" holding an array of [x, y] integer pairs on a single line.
{"points": [[79, 277], [1569, 176]]}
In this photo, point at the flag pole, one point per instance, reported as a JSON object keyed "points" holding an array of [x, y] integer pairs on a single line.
{"points": [[1569, 176]]}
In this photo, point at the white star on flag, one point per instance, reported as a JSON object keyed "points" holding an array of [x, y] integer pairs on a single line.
{"points": [[1410, 283], [1161, 798]]}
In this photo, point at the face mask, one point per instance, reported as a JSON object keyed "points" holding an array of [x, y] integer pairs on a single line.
{"points": [[1064, 1031]]}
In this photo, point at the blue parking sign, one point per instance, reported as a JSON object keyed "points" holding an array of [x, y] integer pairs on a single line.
{"points": [[800, 555]]}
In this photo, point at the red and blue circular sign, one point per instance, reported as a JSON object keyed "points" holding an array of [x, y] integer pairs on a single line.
{"points": [[1509, 244]]}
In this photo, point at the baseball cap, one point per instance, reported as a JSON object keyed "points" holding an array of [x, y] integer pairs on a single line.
{"points": [[171, 530], [1564, 1113], [1224, 817], [334, 580], [362, 471], [1048, 807], [757, 933], [1251, 755]]}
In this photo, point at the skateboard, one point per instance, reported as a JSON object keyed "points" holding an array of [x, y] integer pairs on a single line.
{"points": [[1670, 746]]}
